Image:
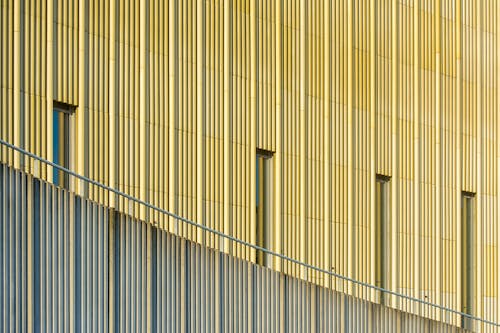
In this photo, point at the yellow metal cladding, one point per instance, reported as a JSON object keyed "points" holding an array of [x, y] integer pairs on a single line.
{"points": [[173, 99]]}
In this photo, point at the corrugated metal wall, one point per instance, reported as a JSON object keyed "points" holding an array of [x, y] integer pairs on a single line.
{"points": [[174, 97], [70, 264]]}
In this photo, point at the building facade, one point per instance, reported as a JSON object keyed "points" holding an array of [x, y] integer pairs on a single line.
{"points": [[69, 264], [357, 136]]}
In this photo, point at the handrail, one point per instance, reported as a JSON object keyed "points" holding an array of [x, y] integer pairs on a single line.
{"points": [[242, 242]]}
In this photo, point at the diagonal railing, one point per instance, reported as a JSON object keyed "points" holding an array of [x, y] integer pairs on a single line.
{"points": [[247, 244]]}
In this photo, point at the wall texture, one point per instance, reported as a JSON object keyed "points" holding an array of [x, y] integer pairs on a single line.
{"points": [[174, 97], [70, 264]]}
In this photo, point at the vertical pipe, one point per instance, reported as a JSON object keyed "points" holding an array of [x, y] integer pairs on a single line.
{"points": [[459, 154], [312, 299], [50, 86], [250, 292], [303, 125], [113, 256], [72, 262], [81, 148], [350, 146], [92, 93], [149, 277], [143, 101], [282, 300], [327, 138], [120, 97], [31, 123], [497, 273], [478, 309], [172, 111], [372, 174], [217, 274], [227, 116], [253, 115], [17, 81], [112, 100], [103, 134], [200, 111], [279, 121], [394, 144], [439, 185], [416, 145], [30, 254]]}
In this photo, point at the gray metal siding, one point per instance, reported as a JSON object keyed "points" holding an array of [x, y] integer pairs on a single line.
{"points": [[69, 264]]}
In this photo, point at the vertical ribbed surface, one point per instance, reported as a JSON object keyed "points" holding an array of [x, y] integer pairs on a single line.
{"points": [[183, 285], [65, 39], [13, 201], [173, 99]]}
